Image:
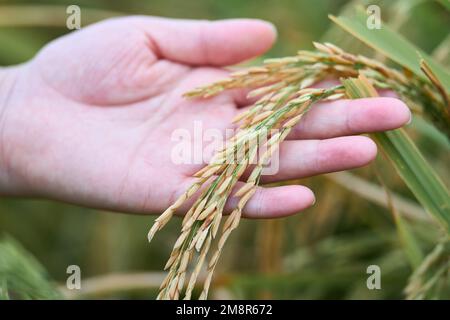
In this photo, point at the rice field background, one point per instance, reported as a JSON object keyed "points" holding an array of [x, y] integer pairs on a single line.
{"points": [[362, 217]]}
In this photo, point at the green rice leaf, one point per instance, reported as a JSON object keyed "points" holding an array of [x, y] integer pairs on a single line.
{"points": [[408, 240], [409, 163], [21, 275], [392, 45]]}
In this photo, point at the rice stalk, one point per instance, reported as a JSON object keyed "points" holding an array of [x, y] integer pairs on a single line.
{"points": [[282, 87], [434, 268]]}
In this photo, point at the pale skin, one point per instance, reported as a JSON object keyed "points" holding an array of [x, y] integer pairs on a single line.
{"points": [[89, 119]]}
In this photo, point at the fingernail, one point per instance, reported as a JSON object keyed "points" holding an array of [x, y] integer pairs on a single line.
{"points": [[410, 119], [274, 28]]}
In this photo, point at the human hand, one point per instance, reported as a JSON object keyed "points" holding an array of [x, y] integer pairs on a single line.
{"points": [[89, 119]]}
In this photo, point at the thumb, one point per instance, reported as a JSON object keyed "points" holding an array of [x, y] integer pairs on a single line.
{"points": [[201, 42], [108, 63]]}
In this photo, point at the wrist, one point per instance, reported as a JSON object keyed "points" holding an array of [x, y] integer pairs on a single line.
{"points": [[8, 80]]}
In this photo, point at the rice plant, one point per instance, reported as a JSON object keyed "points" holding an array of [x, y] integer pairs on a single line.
{"points": [[21, 275], [59, 234], [284, 92]]}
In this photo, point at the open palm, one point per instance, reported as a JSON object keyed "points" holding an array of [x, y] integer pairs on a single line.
{"points": [[91, 117]]}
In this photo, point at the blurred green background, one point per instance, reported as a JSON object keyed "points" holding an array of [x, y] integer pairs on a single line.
{"points": [[320, 253]]}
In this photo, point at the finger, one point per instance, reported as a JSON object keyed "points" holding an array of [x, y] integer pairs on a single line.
{"points": [[241, 99], [217, 43], [347, 117], [298, 159], [265, 203]]}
